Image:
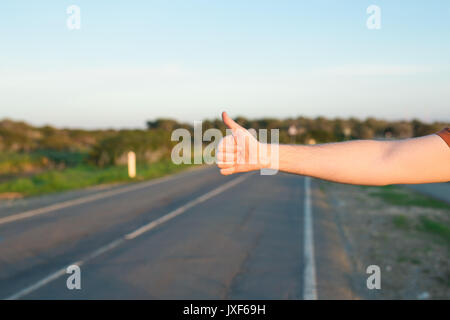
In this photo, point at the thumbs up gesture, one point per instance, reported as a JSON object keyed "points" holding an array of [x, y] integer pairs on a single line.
{"points": [[240, 151]]}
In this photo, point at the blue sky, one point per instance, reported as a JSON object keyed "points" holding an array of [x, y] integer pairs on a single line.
{"points": [[188, 59]]}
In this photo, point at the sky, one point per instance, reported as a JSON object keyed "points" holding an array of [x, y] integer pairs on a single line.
{"points": [[133, 61]]}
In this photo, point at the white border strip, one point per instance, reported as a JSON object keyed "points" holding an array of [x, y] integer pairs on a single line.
{"points": [[309, 275], [130, 236]]}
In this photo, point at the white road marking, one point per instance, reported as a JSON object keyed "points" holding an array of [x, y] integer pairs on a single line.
{"points": [[309, 276], [87, 199], [183, 208], [38, 284], [130, 236]]}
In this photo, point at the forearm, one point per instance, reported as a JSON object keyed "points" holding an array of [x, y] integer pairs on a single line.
{"points": [[368, 162]]}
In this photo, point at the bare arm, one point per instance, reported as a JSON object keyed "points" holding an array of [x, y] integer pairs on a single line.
{"points": [[419, 160], [366, 162]]}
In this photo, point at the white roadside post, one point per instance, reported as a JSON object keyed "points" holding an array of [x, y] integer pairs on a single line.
{"points": [[131, 164]]}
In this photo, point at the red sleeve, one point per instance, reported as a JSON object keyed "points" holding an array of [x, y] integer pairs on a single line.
{"points": [[445, 135]]}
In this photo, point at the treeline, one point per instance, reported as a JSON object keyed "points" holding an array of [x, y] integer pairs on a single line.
{"points": [[27, 148], [321, 130], [24, 147]]}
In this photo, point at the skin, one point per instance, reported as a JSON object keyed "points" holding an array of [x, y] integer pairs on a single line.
{"points": [[363, 162]]}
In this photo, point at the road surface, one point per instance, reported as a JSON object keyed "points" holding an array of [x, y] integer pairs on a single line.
{"points": [[195, 235], [439, 191]]}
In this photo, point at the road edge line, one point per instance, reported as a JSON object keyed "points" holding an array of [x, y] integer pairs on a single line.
{"points": [[309, 275]]}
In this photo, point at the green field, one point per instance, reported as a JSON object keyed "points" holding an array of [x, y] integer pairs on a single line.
{"points": [[401, 197], [83, 176]]}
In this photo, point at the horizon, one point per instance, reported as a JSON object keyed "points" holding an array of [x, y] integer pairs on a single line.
{"points": [[144, 127]]}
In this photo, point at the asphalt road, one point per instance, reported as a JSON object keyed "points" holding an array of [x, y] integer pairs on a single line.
{"points": [[439, 191], [195, 235]]}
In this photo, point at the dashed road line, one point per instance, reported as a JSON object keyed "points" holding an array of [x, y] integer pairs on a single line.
{"points": [[130, 236]]}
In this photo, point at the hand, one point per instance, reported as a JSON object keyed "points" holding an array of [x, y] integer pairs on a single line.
{"points": [[240, 152]]}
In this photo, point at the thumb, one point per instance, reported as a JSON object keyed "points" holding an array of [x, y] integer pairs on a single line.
{"points": [[230, 123]]}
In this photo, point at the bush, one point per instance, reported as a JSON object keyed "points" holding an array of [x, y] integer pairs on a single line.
{"points": [[149, 146]]}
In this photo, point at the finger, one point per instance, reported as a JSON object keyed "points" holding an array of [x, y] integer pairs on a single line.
{"points": [[225, 165], [230, 123], [227, 171], [226, 157], [227, 144]]}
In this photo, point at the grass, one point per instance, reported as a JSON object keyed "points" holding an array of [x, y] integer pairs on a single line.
{"points": [[84, 176], [436, 228], [12, 163], [412, 260], [424, 224], [400, 197], [401, 222], [69, 159]]}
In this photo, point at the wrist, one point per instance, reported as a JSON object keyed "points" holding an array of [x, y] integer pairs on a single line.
{"points": [[269, 156]]}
